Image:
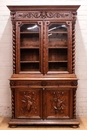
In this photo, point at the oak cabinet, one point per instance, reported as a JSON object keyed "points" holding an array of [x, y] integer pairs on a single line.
{"points": [[43, 83]]}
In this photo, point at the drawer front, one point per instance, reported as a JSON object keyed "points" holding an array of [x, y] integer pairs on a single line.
{"points": [[28, 102], [58, 103]]}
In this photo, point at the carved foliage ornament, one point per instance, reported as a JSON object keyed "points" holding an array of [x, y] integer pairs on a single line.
{"points": [[42, 14]]}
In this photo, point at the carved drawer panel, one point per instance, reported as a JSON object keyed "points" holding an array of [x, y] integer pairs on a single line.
{"points": [[58, 103], [28, 103]]}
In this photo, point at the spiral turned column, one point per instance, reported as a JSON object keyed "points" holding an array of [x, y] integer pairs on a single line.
{"points": [[14, 46], [73, 47], [13, 103], [74, 103]]}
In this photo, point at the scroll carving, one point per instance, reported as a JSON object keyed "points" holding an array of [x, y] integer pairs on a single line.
{"points": [[44, 14]]}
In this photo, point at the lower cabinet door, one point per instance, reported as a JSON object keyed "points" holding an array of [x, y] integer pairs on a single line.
{"points": [[58, 103], [28, 103], [48, 103]]}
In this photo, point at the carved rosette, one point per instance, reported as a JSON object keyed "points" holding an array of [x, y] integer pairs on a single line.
{"points": [[14, 46], [73, 47], [74, 103], [13, 103], [12, 83]]}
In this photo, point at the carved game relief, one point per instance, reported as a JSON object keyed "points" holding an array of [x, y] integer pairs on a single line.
{"points": [[58, 103], [29, 103]]}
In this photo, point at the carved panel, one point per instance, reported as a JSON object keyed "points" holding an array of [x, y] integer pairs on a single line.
{"points": [[43, 83], [28, 82], [29, 103], [43, 15], [57, 103]]}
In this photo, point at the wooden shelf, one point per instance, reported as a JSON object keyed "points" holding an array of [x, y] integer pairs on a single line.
{"points": [[28, 32], [57, 32], [27, 72], [27, 47], [29, 61], [58, 47], [60, 72], [60, 61]]}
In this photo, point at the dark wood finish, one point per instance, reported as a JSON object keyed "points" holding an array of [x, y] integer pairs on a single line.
{"points": [[43, 83]]}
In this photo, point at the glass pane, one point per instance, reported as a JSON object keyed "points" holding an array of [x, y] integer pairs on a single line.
{"points": [[57, 47], [30, 28], [58, 27], [57, 35], [29, 48]]}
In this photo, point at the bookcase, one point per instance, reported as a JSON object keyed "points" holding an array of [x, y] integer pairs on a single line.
{"points": [[43, 83]]}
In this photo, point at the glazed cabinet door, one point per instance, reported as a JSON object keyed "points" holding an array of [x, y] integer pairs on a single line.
{"points": [[28, 103], [29, 47], [58, 103], [58, 47]]}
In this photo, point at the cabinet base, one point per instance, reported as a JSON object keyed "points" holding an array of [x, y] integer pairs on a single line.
{"points": [[68, 122]]}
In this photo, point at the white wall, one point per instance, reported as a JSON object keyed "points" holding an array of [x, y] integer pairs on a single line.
{"points": [[6, 51]]}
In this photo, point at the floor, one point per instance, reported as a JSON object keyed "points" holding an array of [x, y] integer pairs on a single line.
{"points": [[4, 126]]}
